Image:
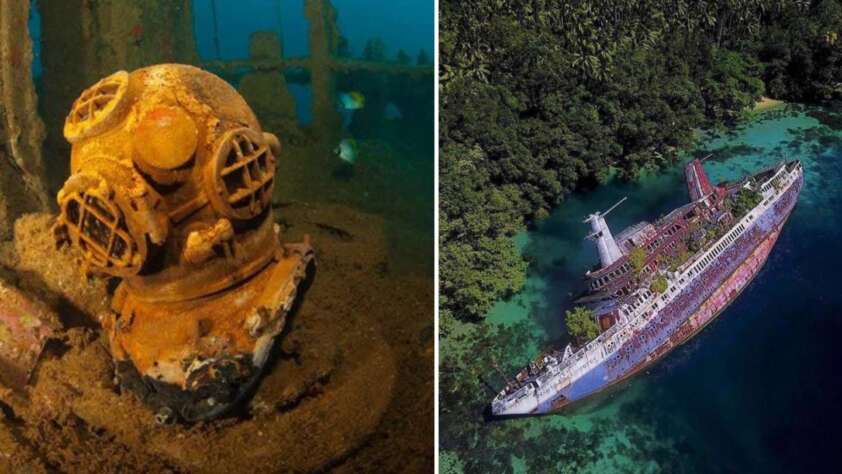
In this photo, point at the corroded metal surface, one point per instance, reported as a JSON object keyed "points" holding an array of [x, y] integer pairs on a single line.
{"points": [[25, 326], [22, 178], [170, 189]]}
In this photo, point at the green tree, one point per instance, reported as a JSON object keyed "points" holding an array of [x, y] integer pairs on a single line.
{"points": [[745, 200], [637, 258], [732, 85], [581, 324], [659, 284]]}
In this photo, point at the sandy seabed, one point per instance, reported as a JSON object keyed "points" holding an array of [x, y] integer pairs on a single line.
{"points": [[348, 389]]}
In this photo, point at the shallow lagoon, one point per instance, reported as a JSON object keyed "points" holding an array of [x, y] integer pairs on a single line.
{"points": [[754, 392]]}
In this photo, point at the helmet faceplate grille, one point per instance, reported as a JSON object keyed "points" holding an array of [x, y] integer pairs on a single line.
{"points": [[97, 227], [245, 171]]}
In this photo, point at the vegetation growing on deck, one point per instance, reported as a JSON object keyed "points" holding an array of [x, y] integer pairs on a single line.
{"points": [[659, 284], [581, 324], [637, 259], [744, 200]]}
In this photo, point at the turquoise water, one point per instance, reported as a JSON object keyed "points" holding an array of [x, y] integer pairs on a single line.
{"points": [[755, 392]]}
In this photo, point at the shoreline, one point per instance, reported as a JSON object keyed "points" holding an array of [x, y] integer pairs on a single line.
{"points": [[767, 103]]}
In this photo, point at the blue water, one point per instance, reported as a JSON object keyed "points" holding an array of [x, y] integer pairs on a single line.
{"points": [[402, 25], [34, 25], [303, 94], [757, 391], [236, 21]]}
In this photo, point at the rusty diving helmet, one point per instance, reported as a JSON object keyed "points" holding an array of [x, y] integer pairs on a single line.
{"points": [[170, 189]]}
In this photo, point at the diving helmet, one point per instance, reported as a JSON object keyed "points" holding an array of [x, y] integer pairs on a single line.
{"points": [[170, 190]]}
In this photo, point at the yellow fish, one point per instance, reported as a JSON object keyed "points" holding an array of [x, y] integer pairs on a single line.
{"points": [[353, 100]]}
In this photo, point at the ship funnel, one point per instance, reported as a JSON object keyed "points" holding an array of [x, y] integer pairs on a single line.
{"points": [[609, 252]]}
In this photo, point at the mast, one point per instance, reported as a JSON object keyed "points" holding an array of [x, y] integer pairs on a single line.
{"points": [[609, 252]]}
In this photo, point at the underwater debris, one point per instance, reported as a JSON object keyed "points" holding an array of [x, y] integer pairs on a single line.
{"points": [[170, 189], [347, 150], [25, 326]]}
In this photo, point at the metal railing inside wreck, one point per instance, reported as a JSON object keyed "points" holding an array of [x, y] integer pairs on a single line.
{"points": [[322, 66]]}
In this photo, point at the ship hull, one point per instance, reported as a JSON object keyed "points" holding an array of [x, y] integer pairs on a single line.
{"points": [[687, 314]]}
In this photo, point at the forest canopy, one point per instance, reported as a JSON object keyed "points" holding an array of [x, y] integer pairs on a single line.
{"points": [[543, 97]]}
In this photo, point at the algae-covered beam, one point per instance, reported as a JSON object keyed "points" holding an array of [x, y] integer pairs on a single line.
{"points": [[22, 129], [322, 23], [335, 64]]}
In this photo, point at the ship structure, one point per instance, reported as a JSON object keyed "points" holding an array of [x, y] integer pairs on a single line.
{"points": [[660, 283]]}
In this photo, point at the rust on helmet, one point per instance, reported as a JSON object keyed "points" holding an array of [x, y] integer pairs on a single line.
{"points": [[170, 189]]}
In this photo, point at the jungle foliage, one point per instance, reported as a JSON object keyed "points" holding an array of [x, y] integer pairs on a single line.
{"points": [[543, 97]]}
